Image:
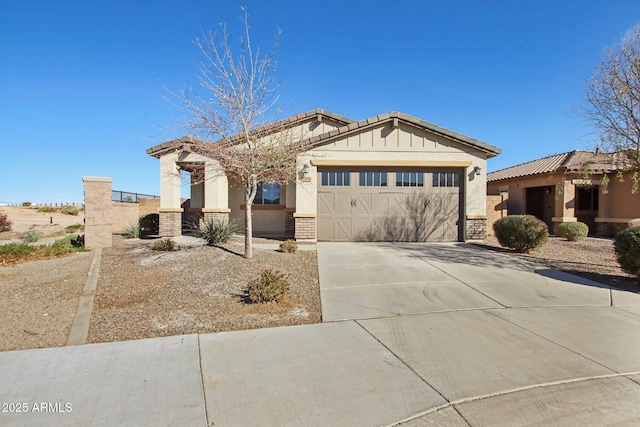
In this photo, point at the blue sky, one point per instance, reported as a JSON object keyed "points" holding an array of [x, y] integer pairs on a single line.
{"points": [[81, 82]]}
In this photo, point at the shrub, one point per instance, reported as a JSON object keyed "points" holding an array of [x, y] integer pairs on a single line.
{"points": [[11, 252], [26, 203], [573, 231], [269, 286], [627, 247], [132, 231], [522, 233], [16, 252], [47, 209], [167, 245], [634, 223], [31, 236], [149, 225], [5, 223], [289, 246], [73, 228], [216, 232], [69, 210], [61, 247]]}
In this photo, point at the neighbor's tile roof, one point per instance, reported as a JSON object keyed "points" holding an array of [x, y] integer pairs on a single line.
{"points": [[572, 161]]}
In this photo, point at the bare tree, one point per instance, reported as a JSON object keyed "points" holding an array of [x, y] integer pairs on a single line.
{"points": [[233, 120], [613, 103]]}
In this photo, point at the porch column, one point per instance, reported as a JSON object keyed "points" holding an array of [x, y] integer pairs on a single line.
{"points": [[565, 204], [170, 210], [216, 194]]}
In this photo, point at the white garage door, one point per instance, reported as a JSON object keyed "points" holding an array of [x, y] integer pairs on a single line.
{"points": [[383, 205]]}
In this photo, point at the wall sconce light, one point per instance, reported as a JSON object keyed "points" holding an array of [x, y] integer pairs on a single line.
{"points": [[305, 169], [477, 170]]}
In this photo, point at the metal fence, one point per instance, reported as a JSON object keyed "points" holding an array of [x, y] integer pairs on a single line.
{"points": [[128, 197]]}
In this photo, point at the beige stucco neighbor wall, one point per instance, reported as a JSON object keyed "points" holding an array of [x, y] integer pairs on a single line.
{"points": [[496, 209], [124, 214], [148, 206], [97, 212]]}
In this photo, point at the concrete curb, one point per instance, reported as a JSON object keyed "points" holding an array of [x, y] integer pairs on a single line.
{"points": [[80, 326]]}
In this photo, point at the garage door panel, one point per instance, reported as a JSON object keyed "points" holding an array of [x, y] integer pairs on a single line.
{"points": [[372, 213]]}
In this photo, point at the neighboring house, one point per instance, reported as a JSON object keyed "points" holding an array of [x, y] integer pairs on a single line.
{"points": [[390, 177], [557, 189]]}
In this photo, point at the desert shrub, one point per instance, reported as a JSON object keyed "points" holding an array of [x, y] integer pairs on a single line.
{"points": [[69, 210], [132, 231], [73, 228], [573, 231], [61, 247], [270, 286], [31, 237], [167, 245], [634, 223], [289, 246], [16, 252], [5, 223], [149, 225], [216, 232], [26, 203], [47, 209], [12, 252], [627, 247], [521, 233]]}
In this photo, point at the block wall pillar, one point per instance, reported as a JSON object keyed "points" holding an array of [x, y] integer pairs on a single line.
{"points": [[98, 212]]}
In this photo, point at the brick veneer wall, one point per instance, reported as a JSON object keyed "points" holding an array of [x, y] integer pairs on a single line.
{"points": [[305, 228], [97, 212], [170, 222], [476, 228]]}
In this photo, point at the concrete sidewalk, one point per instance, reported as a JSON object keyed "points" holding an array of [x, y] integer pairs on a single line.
{"points": [[427, 334]]}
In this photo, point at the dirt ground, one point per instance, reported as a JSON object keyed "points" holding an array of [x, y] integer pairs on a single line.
{"points": [[27, 218]]}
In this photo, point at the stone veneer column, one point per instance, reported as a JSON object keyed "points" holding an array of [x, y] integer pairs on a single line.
{"points": [[97, 212], [476, 227], [217, 215], [170, 222], [305, 227]]}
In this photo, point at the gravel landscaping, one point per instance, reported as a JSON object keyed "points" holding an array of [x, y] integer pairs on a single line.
{"points": [[144, 293]]}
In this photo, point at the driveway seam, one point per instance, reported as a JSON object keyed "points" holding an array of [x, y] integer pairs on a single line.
{"points": [[79, 329], [204, 391], [553, 342]]}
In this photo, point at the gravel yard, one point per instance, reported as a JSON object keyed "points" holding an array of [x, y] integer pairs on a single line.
{"points": [[144, 293]]}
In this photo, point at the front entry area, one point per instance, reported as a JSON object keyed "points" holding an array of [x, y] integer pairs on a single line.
{"points": [[412, 205]]}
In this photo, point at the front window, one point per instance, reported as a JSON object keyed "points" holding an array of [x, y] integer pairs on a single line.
{"points": [[267, 194], [588, 198]]}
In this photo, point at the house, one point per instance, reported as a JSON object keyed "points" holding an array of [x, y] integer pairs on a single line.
{"points": [[569, 187], [390, 177]]}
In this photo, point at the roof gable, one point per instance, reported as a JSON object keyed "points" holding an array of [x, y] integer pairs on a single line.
{"points": [[394, 118]]}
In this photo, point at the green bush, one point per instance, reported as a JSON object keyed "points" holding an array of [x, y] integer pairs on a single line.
{"points": [[289, 246], [16, 252], [26, 203], [69, 210], [5, 223], [149, 225], [627, 247], [269, 286], [216, 232], [573, 231], [132, 231], [167, 245], [61, 247], [47, 209], [522, 233], [31, 237]]}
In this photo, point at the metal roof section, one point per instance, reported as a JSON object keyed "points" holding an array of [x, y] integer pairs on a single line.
{"points": [[571, 161], [395, 116]]}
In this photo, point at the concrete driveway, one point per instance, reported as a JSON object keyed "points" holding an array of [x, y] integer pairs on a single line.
{"points": [[415, 335]]}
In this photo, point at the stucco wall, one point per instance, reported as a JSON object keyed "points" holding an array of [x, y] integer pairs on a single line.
{"points": [[124, 214], [405, 143], [496, 209], [267, 219]]}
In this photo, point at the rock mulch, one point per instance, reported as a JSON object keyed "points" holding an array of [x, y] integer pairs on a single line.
{"points": [[144, 293]]}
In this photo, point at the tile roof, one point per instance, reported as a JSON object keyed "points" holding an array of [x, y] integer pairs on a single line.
{"points": [[572, 161]]}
